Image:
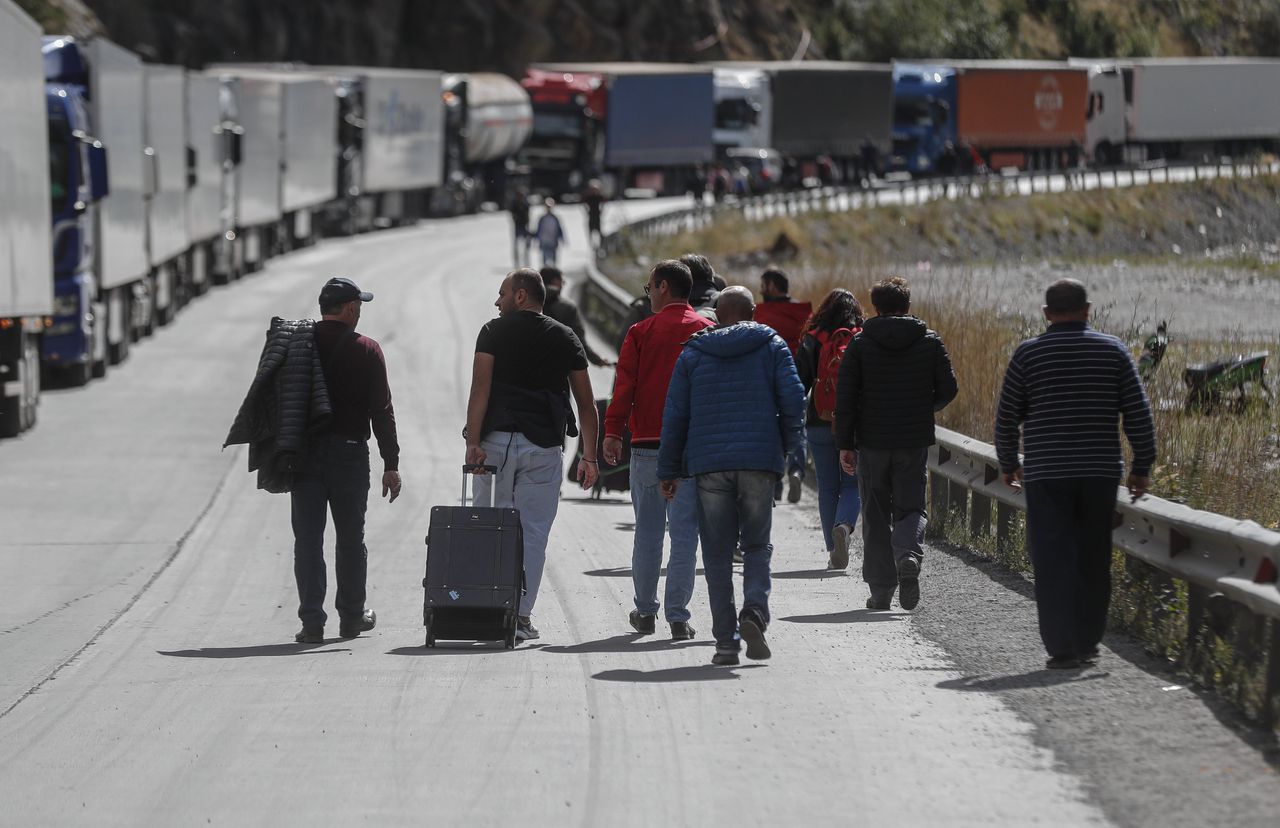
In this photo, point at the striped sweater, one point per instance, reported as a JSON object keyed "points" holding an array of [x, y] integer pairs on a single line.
{"points": [[1067, 389]]}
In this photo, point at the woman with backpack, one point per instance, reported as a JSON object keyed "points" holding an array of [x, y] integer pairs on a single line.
{"points": [[828, 332]]}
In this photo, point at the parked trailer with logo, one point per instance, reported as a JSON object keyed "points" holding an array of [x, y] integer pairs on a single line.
{"points": [[26, 266], [165, 134], [1194, 109]]}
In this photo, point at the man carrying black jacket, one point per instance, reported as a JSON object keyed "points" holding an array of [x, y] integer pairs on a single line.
{"points": [[894, 376]]}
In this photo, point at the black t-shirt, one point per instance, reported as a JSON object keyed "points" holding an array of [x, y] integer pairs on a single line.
{"points": [[531, 351]]}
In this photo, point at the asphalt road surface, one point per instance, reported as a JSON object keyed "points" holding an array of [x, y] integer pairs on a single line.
{"points": [[150, 676]]}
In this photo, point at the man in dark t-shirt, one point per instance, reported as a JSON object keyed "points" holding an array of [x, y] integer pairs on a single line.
{"points": [[518, 415], [334, 474]]}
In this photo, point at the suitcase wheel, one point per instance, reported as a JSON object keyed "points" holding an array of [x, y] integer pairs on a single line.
{"points": [[509, 622]]}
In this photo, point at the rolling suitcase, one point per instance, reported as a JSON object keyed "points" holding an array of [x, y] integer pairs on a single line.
{"points": [[475, 571], [612, 478]]}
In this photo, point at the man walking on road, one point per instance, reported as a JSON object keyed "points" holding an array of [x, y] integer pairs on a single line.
{"points": [[334, 473], [1067, 391], [645, 363], [550, 233], [566, 312], [734, 409], [787, 318], [894, 376], [519, 413]]}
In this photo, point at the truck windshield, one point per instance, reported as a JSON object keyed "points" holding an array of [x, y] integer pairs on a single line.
{"points": [[913, 114], [60, 147], [557, 124], [736, 113]]}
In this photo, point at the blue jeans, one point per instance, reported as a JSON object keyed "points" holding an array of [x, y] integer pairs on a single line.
{"points": [[528, 479], [838, 498], [334, 477], [655, 517], [735, 506]]}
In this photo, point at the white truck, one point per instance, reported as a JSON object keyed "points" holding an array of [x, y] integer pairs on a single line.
{"points": [[209, 199], [1190, 109], [165, 134], [26, 264], [744, 108]]}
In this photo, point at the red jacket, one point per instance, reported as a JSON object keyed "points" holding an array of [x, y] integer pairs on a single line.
{"points": [[787, 318], [648, 358]]}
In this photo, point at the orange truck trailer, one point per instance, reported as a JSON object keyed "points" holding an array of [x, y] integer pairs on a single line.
{"points": [[1025, 114]]}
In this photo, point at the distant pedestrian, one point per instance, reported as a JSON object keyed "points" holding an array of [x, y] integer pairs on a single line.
{"points": [[518, 415], [838, 319], [1066, 394], [787, 317], [566, 312], [550, 233], [645, 363], [520, 226], [703, 294], [895, 374], [594, 198], [734, 409]]}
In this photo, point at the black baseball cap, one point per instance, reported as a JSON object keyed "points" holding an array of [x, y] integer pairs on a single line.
{"points": [[340, 290]]}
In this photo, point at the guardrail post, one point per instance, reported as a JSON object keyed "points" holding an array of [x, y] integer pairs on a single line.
{"points": [[980, 516], [957, 502], [1271, 689]]}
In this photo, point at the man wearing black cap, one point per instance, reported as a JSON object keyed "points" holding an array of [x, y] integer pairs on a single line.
{"points": [[334, 474]]}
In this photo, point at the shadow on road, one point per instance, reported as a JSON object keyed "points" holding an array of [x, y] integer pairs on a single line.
{"points": [[697, 672], [462, 648], [1025, 681], [260, 651], [814, 574], [625, 643], [625, 572], [847, 617]]}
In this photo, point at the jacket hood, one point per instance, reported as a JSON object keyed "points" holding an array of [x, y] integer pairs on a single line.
{"points": [[732, 341], [895, 332]]}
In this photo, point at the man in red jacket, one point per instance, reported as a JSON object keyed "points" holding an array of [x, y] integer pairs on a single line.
{"points": [[645, 363], [787, 317]]}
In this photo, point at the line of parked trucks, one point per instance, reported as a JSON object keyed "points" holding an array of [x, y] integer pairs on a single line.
{"points": [[127, 188]]}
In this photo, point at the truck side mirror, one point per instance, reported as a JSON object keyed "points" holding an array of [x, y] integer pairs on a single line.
{"points": [[234, 150], [192, 178], [99, 183]]}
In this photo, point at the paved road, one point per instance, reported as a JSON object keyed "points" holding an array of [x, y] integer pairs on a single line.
{"points": [[150, 675]]}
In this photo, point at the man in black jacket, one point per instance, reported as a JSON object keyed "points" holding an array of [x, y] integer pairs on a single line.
{"points": [[894, 376], [334, 472], [566, 312]]}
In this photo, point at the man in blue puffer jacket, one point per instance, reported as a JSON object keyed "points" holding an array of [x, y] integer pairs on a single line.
{"points": [[735, 409]]}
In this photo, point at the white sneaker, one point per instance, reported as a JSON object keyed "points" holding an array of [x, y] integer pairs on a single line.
{"points": [[525, 631], [840, 546]]}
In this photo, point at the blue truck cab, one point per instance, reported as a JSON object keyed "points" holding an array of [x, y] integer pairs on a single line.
{"points": [[924, 116], [77, 179]]}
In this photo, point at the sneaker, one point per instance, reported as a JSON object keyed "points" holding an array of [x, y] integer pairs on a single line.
{"points": [[1068, 662], [525, 631], [368, 620], [795, 485], [682, 631], [908, 583], [840, 546], [725, 658], [643, 624], [310, 635], [752, 631]]}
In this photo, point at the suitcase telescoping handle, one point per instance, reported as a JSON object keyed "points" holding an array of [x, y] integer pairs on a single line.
{"points": [[474, 468]]}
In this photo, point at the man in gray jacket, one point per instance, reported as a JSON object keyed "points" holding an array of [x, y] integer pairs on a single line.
{"points": [[894, 376]]}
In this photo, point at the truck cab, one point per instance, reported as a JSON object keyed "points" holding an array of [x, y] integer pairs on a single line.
{"points": [[924, 117], [566, 147], [743, 112], [1105, 129]]}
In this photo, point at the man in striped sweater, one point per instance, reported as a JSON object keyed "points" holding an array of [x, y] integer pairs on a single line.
{"points": [[1068, 390]]}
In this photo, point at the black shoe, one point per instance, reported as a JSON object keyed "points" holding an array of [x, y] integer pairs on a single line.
{"points": [[310, 635], [908, 583], [726, 658], [643, 624], [751, 628], [681, 631], [368, 620], [881, 598], [795, 485], [840, 546], [1091, 655], [1069, 662]]}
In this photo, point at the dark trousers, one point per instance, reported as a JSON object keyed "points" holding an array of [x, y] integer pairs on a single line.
{"points": [[334, 478], [891, 483], [1069, 532]]}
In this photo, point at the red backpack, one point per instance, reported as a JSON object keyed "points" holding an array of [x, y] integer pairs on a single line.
{"points": [[829, 356]]}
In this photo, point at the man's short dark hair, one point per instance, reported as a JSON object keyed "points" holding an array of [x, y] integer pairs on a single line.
{"points": [[551, 274], [1066, 296], [778, 279], [530, 281], [699, 268], [891, 296], [677, 276]]}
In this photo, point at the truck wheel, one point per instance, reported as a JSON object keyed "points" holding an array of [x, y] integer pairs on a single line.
{"points": [[79, 375], [10, 416]]}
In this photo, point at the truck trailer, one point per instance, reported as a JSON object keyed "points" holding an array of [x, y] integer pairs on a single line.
{"points": [[1189, 109], [26, 264], [488, 118], [165, 138], [1024, 114], [643, 125]]}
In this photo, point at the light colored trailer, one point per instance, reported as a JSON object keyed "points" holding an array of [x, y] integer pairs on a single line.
{"points": [[499, 117], [208, 215], [309, 136], [118, 93], [165, 133], [404, 128]]}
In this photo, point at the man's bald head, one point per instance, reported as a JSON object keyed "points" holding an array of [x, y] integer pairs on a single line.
{"points": [[735, 305]]}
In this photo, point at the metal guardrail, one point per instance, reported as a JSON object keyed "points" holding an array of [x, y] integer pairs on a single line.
{"points": [[920, 191]]}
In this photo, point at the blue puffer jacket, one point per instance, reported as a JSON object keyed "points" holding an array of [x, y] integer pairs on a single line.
{"points": [[735, 403]]}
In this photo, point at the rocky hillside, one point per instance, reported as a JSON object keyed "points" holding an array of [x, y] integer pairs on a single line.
{"points": [[507, 35]]}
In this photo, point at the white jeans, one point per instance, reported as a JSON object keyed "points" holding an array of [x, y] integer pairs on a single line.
{"points": [[528, 480]]}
